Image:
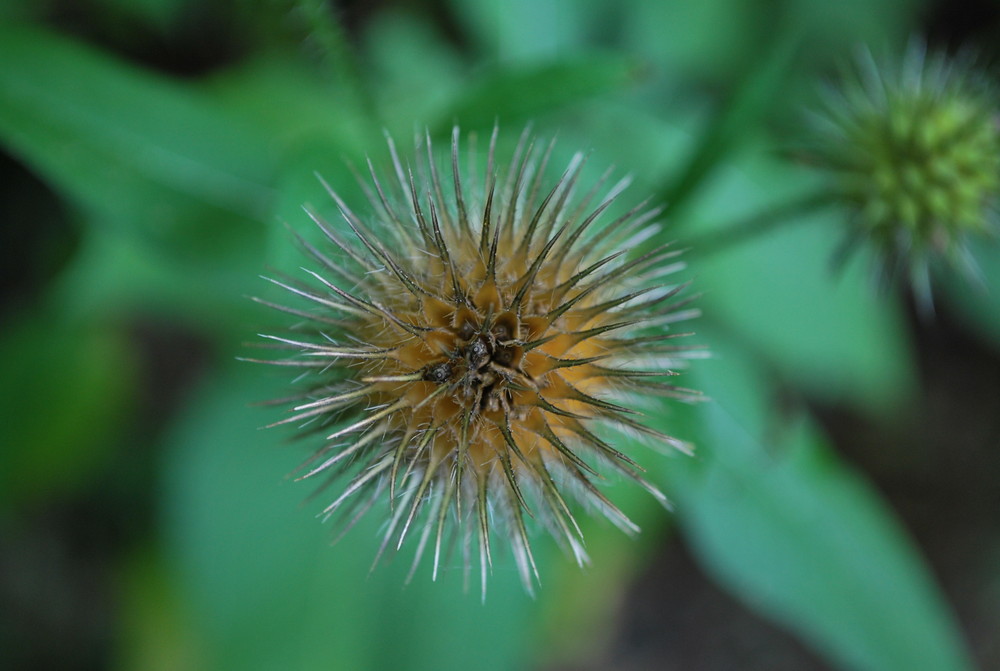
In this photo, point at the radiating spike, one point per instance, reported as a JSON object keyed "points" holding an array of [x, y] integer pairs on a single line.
{"points": [[458, 291], [460, 458], [287, 362], [397, 460], [396, 163], [485, 558], [561, 511], [667, 390], [631, 373], [425, 534], [587, 334], [607, 306], [319, 299], [393, 523], [674, 308], [384, 200], [442, 204], [487, 223], [326, 261], [409, 377], [370, 419], [558, 311], [627, 231], [557, 363], [429, 471], [536, 184], [508, 469], [358, 482], [491, 264], [442, 513], [322, 407], [364, 441], [332, 236], [363, 505], [418, 212], [463, 216], [610, 237], [529, 278], [491, 154], [677, 443], [588, 197], [612, 512], [523, 554], [578, 395], [541, 402], [311, 316], [345, 352], [602, 447], [515, 175], [563, 188], [382, 254], [561, 254], [622, 343], [561, 290], [425, 440], [549, 435]]}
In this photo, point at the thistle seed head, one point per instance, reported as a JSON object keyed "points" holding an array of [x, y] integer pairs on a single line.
{"points": [[465, 347], [913, 151]]}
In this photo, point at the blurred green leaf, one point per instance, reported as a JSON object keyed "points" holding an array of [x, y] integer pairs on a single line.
{"points": [[713, 40], [701, 39], [778, 520], [740, 117], [979, 305], [110, 277], [64, 395], [304, 117], [160, 14], [156, 633], [841, 26], [528, 30], [514, 95], [831, 332], [302, 190], [18, 10], [416, 73], [140, 154]]}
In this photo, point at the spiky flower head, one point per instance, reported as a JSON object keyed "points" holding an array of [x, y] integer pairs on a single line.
{"points": [[466, 344], [913, 150]]}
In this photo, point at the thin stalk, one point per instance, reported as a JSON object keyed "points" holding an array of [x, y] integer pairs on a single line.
{"points": [[329, 34], [759, 92], [787, 213]]}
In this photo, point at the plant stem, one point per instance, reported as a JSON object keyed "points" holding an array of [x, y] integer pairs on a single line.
{"points": [[331, 37], [759, 92], [759, 224]]}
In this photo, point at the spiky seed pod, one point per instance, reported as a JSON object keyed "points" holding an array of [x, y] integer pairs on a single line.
{"points": [[463, 351], [913, 150]]}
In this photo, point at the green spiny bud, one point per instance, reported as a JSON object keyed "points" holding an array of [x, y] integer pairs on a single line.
{"points": [[913, 151]]}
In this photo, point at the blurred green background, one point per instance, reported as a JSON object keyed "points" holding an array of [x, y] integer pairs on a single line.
{"points": [[843, 511]]}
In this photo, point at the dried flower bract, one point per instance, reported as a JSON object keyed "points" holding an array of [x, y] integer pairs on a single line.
{"points": [[466, 343]]}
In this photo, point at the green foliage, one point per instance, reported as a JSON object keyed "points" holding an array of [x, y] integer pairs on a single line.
{"points": [[776, 516], [64, 398], [979, 304], [139, 155], [797, 312]]}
